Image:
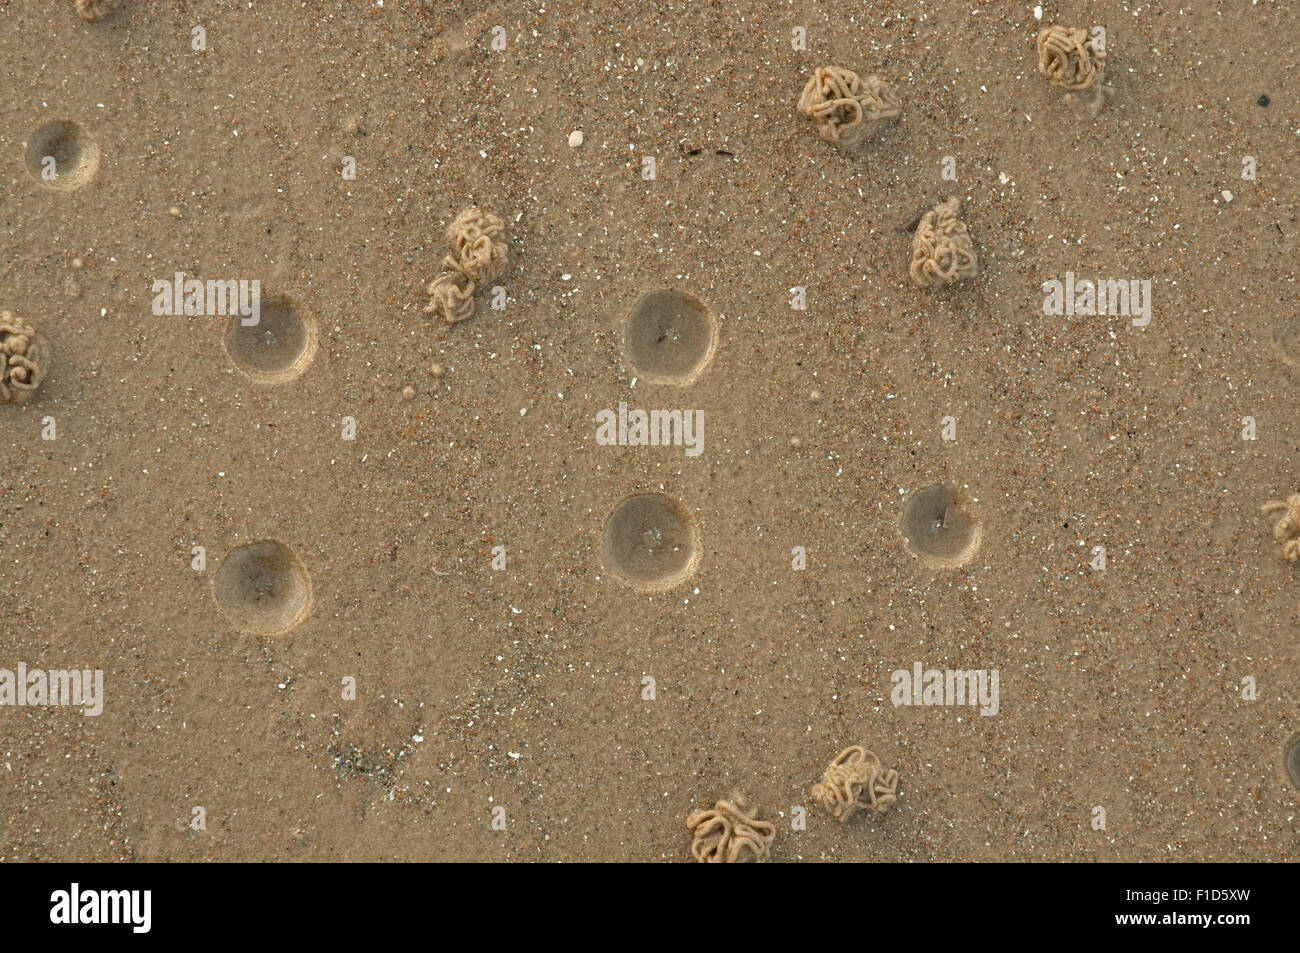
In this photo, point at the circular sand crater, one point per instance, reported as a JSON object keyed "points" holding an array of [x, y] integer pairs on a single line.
{"points": [[263, 587], [671, 337], [650, 542], [1285, 337], [278, 347], [940, 528], [74, 153], [1291, 759]]}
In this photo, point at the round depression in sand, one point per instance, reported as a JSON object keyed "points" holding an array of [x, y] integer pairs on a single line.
{"points": [[62, 155], [263, 587], [1291, 759], [940, 527], [671, 337], [1285, 336], [650, 542], [278, 347]]}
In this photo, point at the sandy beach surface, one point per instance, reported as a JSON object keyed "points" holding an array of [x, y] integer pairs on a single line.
{"points": [[1162, 689]]}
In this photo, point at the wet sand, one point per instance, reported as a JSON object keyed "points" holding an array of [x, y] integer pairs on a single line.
{"points": [[523, 687]]}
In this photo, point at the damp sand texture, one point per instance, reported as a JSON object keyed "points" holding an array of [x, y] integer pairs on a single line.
{"points": [[458, 600]]}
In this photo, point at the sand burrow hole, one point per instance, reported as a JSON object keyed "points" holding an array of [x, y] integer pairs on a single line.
{"points": [[940, 528], [671, 337], [62, 155], [263, 587], [650, 542], [1285, 336], [278, 347]]}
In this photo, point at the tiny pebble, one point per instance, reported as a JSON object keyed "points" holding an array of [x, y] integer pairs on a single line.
{"points": [[796, 442], [408, 392], [173, 211], [1263, 100], [437, 370], [77, 263], [1227, 196], [814, 395]]}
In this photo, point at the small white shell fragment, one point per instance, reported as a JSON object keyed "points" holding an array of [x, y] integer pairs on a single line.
{"points": [[575, 138]]}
